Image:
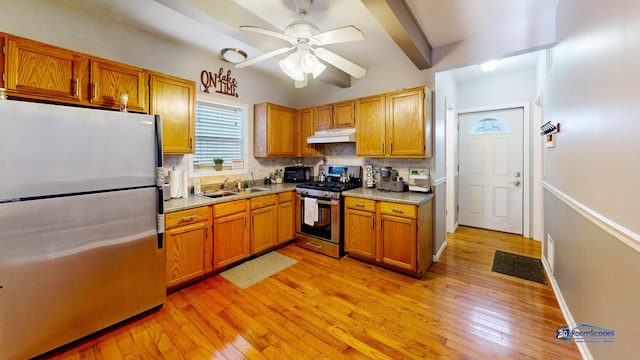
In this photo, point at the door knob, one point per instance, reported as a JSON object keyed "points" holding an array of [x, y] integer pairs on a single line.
{"points": [[515, 182]]}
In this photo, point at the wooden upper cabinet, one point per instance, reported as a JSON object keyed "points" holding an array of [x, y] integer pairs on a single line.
{"points": [[274, 130], [406, 123], [174, 99], [40, 71], [396, 124], [370, 126], [344, 114], [322, 117], [108, 80], [333, 116], [304, 129]]}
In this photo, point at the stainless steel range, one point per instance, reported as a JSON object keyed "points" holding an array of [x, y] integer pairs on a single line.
{"points": [[319, 222]]}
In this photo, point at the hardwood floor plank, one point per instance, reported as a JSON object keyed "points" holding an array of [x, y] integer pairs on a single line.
{"points": [[325, 308]]}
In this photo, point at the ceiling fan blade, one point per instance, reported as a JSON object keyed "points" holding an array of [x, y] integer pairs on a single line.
{"points": [[341, 63], [258, 58], [343, 34], [270, 33]]}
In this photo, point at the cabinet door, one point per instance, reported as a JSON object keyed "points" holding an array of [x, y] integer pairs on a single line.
{"points": [[306, 129], [231, 240], [281, 131], [406, 123], [322, 117], [286, 216], [343, 114], [41, 71], [264, 232], [397, 245], [370, 126], [174, 99], [185, 252], [360, 234], [110, 79]]}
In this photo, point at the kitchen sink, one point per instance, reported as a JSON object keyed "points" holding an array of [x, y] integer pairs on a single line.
{"points": [[252, 190], [219, 193], [222, 193]]}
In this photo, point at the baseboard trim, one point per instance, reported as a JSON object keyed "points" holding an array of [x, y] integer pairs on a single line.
{"points": [[620, 232], [571, 323], [437, 255]]}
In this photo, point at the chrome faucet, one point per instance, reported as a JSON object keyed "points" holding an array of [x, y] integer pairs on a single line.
{"points": [[225, 184], [253, 180]]}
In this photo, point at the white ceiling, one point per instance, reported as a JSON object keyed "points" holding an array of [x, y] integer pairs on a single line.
{"points": [[213, 24]]}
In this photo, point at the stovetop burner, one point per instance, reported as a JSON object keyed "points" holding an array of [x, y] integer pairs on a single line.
{"points": [[328, 186]]}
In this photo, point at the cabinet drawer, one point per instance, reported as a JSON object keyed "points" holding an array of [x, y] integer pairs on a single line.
{"points": [[229, 208], [396, 209], [262, 201], [360, 204], [285, 196], [185, 217]]}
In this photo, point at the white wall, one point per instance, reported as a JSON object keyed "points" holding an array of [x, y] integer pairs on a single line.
{"points": [[592, 91], [591, 191], [497, 90]]}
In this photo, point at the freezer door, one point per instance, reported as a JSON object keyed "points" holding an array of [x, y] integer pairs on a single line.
{"points": [[70, 266], [53, 149]]}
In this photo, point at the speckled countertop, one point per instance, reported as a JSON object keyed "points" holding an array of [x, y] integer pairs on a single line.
{"points": [[407, 197], [194, 201]]}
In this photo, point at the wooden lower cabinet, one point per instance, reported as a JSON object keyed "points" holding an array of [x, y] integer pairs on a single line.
{"points": [[286, 217], [360, 228], [264, 223], [231, 240], [187, 245], [397, 244], [394, 235]]}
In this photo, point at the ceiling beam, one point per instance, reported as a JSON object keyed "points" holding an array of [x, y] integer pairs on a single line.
{"points": [[398, 20]]}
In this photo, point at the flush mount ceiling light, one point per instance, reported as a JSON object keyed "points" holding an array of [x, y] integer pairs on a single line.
{"points": [[489, 66], [232, 55]]}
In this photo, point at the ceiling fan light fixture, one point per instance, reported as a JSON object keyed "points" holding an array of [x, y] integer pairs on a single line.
{"points": [[233, 55], [318, 70]]}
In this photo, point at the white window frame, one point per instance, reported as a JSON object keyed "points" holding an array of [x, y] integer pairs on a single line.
{"points": [[244, 170]]}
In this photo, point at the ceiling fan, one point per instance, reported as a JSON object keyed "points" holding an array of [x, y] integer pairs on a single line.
{"points": [[305, 38]]}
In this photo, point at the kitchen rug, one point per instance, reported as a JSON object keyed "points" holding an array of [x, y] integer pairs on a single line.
{"points": [[258, 269], [522, 267]]}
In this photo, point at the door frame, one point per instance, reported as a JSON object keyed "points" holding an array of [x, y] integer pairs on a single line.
{"points": [[526, 161], [451, 160]]}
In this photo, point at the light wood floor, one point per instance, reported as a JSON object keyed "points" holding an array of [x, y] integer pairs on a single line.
{"points": [[322, 308]]}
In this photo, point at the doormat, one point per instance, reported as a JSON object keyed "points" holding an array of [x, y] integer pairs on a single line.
{"points": [[522, 267], [258, 269]]}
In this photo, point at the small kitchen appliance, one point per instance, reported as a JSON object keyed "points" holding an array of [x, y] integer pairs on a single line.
{"points": [[319, 221], [390, 181], [419, 180], [297, 174], [369, 179]]}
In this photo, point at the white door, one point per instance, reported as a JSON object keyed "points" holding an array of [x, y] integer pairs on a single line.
{"points": [[491, 160]]}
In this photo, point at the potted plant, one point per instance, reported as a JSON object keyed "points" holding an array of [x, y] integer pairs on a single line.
{"points": [[218, 163]]}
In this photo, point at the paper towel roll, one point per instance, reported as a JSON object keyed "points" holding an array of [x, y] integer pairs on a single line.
{"points": [[174, 183], [184, 185]]}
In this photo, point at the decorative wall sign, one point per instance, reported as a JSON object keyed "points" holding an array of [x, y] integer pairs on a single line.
{"points": [[223, 83]]}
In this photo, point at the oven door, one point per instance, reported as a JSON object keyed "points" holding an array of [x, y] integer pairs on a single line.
{"points": [[327, 227]]}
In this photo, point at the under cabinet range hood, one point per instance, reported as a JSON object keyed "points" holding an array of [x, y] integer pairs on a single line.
{"points": [[333, 136]]}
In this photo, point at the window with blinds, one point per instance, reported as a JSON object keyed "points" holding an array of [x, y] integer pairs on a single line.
{"points": [[219, 134]]}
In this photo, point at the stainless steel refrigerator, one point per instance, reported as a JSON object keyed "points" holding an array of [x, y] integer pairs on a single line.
{"points": [[81, 243]]}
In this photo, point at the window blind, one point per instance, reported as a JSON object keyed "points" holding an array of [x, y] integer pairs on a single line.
{"points": [[219, 133]]}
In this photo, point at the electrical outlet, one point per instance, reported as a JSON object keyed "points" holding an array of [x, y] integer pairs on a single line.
{"points": [[550, 253]]}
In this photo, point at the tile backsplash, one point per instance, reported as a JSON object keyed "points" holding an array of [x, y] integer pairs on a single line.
{"points": [[340, 153]]}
